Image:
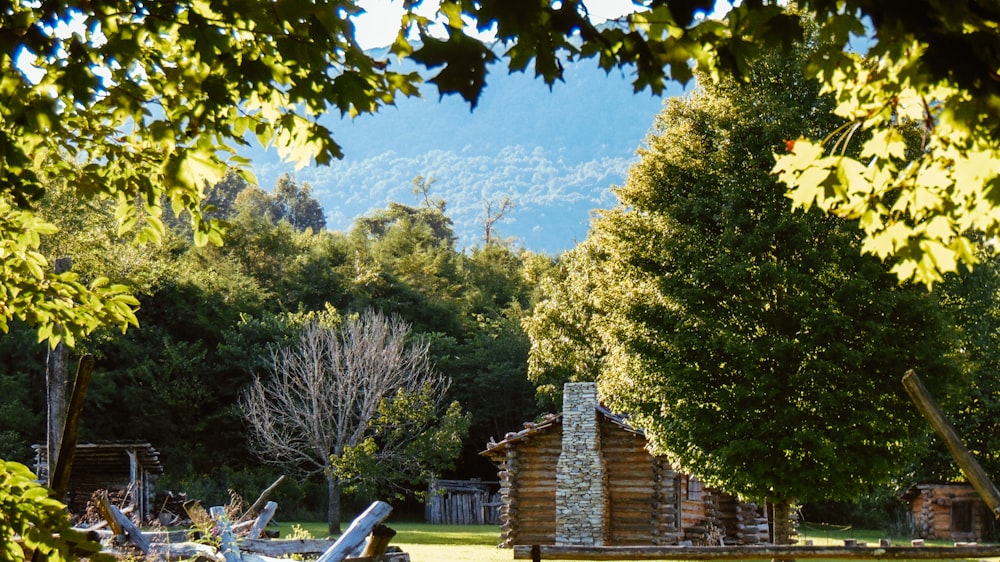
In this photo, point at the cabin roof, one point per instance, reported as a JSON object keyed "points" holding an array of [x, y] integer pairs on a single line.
{"points": [[97, 456], [547, 422], [913, 491]]}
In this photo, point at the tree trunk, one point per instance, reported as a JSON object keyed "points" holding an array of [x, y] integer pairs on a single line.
{"points": [[333, 505], [782, 525], [56, 381]]}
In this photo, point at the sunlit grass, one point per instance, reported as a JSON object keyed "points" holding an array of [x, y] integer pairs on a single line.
{"points": [[477, 543]]}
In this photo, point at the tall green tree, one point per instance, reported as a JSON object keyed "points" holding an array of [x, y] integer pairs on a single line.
{"points": [[755, 345], [407, 264], [973, 408], [569, 326], [294, 203]]}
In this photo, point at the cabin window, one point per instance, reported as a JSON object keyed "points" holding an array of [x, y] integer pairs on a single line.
{"points": [[694, 489], [962, 517]]}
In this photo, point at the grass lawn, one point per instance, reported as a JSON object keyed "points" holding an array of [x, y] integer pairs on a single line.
{"points": [[477, 543]]}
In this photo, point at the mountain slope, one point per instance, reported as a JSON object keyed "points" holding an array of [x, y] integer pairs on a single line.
{"points": [[555, 154]]}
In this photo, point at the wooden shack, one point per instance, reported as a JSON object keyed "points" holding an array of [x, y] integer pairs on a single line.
{"points": [[948, 511], [585, 477], [462, 502], [124, 467]]}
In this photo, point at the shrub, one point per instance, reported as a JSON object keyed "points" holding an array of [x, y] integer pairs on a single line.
{"points": [[31, 520]]}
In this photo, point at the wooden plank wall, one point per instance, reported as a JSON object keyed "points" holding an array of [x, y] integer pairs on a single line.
{"points": [[461, 502], [83, 484]]}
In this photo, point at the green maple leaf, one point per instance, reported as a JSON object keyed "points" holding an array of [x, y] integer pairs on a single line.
{"points": [[464, 60]]}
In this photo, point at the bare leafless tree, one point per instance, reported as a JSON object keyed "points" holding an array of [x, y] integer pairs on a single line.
{"points": [[324, 394], [495, 212], [422, 187]]}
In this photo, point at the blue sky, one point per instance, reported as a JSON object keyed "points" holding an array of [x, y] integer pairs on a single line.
{"points": [[378, 27]]}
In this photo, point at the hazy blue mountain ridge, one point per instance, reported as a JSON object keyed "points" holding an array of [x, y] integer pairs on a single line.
{"points": [[555, 154]]}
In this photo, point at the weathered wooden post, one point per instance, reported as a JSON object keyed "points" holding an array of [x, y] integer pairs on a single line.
{"points": [[262, 520], [357, 533], [378, 541], [229, 547], [261, 500], [122, 525], [56, 375], [60, 468], [968, 463]]}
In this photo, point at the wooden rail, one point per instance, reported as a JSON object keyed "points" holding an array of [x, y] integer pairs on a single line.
{"points": [[763, 552]]}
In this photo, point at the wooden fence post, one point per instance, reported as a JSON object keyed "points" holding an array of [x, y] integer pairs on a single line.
{"points": [[122, 525], [262, 520], [356, 534], [229, 548]]}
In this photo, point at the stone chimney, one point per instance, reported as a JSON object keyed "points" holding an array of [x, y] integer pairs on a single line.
{"points": [[581, 487]]}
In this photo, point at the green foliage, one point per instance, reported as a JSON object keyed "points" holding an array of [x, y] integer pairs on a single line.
{"points": [[31, 521], [973, 408], [420, 439], [489, 379], [398, 215], [156, 99], [754, 344], [901, 202], [288, 202], [152, 102], [63, 307], [881, 508], [405, 263], [569, 327]]}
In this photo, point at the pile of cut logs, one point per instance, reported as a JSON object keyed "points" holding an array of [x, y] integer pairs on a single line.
{"points": [[365, 540]]}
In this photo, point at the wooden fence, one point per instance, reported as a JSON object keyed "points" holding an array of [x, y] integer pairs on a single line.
{"points": [[463, 502], [762, 552]]}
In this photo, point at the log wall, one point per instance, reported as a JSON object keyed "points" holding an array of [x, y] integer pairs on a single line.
{"points": [[633, 491], [648, 503], [743, 522], [948, 512], [530, 502], [666, 503]]}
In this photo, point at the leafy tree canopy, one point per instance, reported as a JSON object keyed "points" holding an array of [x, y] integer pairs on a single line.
{"points": [[154, 98]]}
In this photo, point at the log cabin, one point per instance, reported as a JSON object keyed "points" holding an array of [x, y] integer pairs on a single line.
{"points": [[585, 477], [125, 467], [948, 511]]}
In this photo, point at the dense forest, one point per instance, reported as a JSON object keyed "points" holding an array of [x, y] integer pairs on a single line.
{"points": [[210, 316]]}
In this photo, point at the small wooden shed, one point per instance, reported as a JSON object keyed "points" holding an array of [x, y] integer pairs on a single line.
{"points": [[128, 467], [585, 477], [462, 502], [948, 511]]}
